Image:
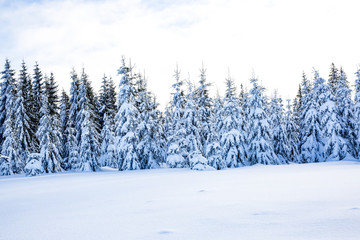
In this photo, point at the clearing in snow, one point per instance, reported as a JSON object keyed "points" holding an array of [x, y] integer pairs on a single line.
{"points": [[309, 201]]}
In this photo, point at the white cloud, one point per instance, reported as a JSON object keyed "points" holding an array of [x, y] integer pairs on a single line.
{"points": [[278, 39]]}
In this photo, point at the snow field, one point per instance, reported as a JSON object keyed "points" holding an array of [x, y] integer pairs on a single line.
{"points": [[310, 201]]}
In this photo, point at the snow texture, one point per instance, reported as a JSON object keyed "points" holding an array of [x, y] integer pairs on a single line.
{"points": [[274, 202]]}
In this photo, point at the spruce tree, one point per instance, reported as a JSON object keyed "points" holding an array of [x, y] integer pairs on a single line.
{"points": [[277, 128], [311, 145], [231, 127], [357, 110], [333, 78], [9, 160], [176, 150], [86, 122], [24, 132], [193, 139], [126, 119], [291, 130], [49, 136], [149, 129], [71, 129], [203, 104], [260, 147], [345, 109], [64, 121], [7, 95], [37, 94], [107, 150], [335, 147]]}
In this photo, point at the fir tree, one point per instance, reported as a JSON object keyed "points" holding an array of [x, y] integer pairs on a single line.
{"points": [[333, 78], [193, 140], [87, 125], [278, 132], [292, 135], [126, 118], [176, 151], [231, 127], [108, 151], [345, 111], [203, 104], [357, 110], [37, 94], [311, 145], [64, 121], [71, 129], [335, 145], [7, 95], [48, 134], [24, 132], [260, 147], [149, 128]]}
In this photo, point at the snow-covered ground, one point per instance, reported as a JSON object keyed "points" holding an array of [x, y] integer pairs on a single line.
{"points": [[311, 201]]}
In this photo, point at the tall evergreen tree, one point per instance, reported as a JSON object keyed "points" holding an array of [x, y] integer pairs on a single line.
{"points": [[176, 151], [345, 111], [7, 95], [333, 78], [37, 94], [126, 120], [64, 121], [260, 147], [24, 131], [231, 127], [203, 104], [311, 144], [107, 150], [149, 128], [9, 160], [278, 133], [71, 130], [49, 136], [357, 110], [86, 122], [292, 134]]}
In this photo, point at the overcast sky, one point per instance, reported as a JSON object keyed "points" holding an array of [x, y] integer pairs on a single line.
{"points": [[278, 40]]}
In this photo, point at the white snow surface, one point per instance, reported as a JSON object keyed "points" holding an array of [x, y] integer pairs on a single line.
{"points": [[309, 201]]}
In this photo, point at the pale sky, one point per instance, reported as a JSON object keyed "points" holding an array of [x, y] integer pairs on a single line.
{"points": [[278, 39]]}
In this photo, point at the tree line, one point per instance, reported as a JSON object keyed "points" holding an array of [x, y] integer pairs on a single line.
{"points": [[42, 131]]}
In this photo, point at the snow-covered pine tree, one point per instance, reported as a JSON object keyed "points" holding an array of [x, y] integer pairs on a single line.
{"points": [[311, 145], [108, 151], [37, 94], [232, 129], [203, 104], [126, 121], [192, 127], [9, 160], [345, 109], [86, 122], [24, 131], [291, 130], [71, 130], [107, 100], [277, 128], [7, 94], [334, 144], [149, 129], [357, 110], [176, 132], [260, 148], [49, 137], [333, 78], [213, 151], [64, 121], [88, 152]]}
